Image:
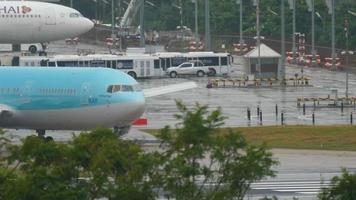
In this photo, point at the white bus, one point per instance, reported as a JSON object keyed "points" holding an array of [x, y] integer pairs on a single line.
{"points": [[218, 63], [138, 66]]}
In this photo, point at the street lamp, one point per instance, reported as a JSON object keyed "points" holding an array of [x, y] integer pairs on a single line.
{"points": [[311, 5], [292, 6], [331, 6], [207, 25], [196, 23], [113, 19], [241, 34], [142, 24], [347, 53], [283, 43], [258, 38]]}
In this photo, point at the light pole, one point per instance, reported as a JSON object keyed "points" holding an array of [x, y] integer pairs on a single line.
{"points": [[311, 9], [207, 26], [347, 53], [241, 34], [292, 6], [331, 6], [196, 22], [258, 39], [333, 33], [142, 24], [113, 19], [181, 21], [313, 32], [283, 43], [71, 3]]}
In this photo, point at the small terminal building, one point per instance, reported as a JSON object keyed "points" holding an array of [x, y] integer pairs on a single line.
{"points": [[270, 62]]}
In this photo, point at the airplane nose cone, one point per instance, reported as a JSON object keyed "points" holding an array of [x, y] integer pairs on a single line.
{"points": [[86, 25], [139, 107], [89, 24]]}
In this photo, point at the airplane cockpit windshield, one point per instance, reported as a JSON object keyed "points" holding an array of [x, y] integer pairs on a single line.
{"points": [[123, 88], [75, 15]]}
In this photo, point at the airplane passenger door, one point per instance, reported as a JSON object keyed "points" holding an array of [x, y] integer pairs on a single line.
{"points": [[84, 94], [26, 91], [50, 16]]}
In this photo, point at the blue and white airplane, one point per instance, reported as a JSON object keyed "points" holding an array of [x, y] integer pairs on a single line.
{"points": [[55, 98]]}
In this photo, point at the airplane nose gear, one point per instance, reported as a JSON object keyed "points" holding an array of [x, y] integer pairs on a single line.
{"points": [[42, 134], [120, 131]]}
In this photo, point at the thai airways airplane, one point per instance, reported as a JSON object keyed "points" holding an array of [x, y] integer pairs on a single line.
{"points": [[39, 22], [55, 98]]}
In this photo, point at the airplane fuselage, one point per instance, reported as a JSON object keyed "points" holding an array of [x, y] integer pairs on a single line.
{"points": [[38, 22], [44, 98]]}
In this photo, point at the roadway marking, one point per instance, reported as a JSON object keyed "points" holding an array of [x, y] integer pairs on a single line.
{"points": [[301, 187]]}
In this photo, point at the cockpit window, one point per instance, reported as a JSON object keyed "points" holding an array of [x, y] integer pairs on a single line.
{"points": [[137, 88], [113, 88], [124, 88], [74, 15], [127, 88]]}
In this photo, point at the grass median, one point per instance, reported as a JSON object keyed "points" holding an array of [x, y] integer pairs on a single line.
{"points": [[341, 138]]}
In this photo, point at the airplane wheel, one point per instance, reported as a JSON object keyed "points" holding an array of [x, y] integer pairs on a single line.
{"points": [[49, 139], [41, 133], [120, 131]]}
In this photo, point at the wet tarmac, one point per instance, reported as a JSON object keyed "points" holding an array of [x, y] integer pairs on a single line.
{"points": [[235, 101]]}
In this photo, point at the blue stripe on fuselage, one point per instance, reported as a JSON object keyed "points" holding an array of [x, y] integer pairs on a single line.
{"points": [[46, 88]]}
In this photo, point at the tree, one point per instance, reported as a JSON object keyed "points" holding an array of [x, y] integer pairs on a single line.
{"points": [[200, 162], [96, 164], [342, 188]]}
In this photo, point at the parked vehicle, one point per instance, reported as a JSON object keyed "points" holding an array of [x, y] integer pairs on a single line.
{"points": [[188, 68], [32, 48]]}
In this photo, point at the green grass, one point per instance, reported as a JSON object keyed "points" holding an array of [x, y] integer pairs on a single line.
{"points": [[342, 138]]}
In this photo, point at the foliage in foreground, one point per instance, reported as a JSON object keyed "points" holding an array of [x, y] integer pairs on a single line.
{"points": [[94, 165], [195, 163], [342, 188], [198, 163]]}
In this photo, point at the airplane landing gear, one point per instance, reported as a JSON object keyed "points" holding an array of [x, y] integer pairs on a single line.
{"points": [[42, 134], [44, 48], [120, 131]]}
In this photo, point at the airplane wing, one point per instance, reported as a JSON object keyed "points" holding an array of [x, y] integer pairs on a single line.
{"points": [[152, 92], [5, 112]]}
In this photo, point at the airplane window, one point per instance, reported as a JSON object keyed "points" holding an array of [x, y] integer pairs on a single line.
{"points": [[123, 88], [74, 15], [113, 88], [137, 88], [127, 88]]}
